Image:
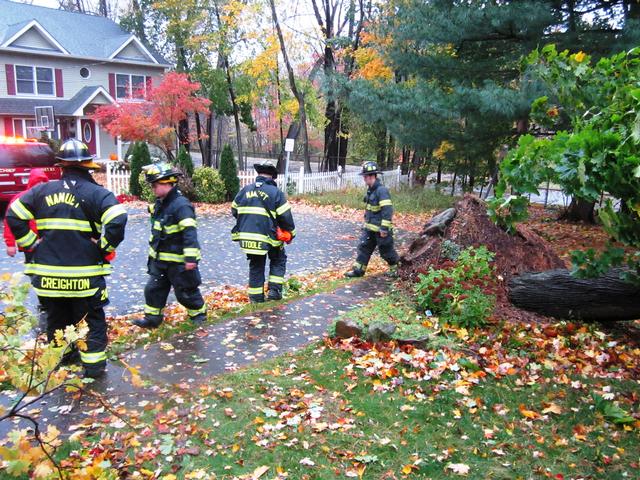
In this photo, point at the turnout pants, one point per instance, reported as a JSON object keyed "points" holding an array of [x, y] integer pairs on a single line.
{"points": [[185, 283], [368, 242], [277, 269], [61, 312]]}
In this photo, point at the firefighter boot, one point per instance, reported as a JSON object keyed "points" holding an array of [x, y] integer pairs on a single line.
{"points": [[199, 319], [355, 272], [149, 321]]}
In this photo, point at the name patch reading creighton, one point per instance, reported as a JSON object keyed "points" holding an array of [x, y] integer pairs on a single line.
{"points": [[75, 284]]}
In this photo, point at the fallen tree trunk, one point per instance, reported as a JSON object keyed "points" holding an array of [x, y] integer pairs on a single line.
{"points": [[556, 293]]}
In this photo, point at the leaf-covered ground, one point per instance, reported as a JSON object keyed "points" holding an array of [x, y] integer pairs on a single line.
{"points": [[508, 400]]}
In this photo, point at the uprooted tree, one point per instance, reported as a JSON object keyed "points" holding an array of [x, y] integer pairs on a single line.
{"points": [[596, 157], [530, 275]]}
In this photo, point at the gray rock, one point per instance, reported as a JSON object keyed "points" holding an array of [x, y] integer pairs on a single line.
{"points": [[380, 331], [347, 329]]}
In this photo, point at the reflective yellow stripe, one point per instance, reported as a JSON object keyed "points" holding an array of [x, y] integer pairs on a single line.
{"points": [[93, 357], [284, 208], [111, 213], [64, 224], [28, 240], [250, 251], [152, 310], [67, 272], [193, 313], [234, 204], [172, 229], [293, 232], [276, 279], [373, 208], [20, 210], [372, 227], [359, 266], [187, 222], [258, 237], [254, 211], [385, 203], [65, 293], [387, 223], [191, 252], [256, 290], [104, 245], [165, 256]]}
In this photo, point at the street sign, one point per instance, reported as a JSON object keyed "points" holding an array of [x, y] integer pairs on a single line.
{"points": [[288, 144]]}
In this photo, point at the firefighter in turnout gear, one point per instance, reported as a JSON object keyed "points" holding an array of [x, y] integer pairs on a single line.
{"points": [[378, 229], [264, 223], [80, 224], [174, 251]]}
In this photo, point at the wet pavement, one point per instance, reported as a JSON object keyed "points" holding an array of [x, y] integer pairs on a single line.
{"points": [[321, 242], [188, 360]]}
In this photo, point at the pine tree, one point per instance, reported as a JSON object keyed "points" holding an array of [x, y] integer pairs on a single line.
{"points": [[457, 69], [229, 172], [184, 161], [139, 157]]}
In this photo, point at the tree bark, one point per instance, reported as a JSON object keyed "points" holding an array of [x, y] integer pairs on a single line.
{"points": [[294, 88], [556, 293], [580, 211]]}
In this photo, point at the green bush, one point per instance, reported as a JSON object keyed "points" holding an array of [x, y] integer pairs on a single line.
{"points": [[138, 158], [208, 185], [460, 293], [146, 193], [229, 173], [184, 161]]}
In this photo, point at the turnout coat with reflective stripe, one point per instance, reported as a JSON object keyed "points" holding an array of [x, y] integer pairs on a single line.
{"points": [[174, 237], [378, 208], [68, 257], [254, 229]]}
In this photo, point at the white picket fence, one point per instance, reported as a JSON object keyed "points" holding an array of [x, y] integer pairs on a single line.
{"points": [[299, 182], [118, 175], [302, 183]]}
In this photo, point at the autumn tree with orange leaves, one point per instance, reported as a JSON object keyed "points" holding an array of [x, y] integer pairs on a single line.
{"points": [[155, 119]]}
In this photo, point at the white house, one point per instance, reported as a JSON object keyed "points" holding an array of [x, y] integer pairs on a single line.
{"points": [[69, 63]]}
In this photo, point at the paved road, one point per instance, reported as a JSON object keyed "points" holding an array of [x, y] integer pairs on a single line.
{"points": [[321, 242]]}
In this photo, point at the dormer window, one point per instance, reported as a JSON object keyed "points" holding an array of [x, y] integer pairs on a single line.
{"points": [[130, 86], [32, 80]]}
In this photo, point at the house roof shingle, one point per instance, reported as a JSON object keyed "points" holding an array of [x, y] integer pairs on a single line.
{"points": [[81, 35], [64, 108]]}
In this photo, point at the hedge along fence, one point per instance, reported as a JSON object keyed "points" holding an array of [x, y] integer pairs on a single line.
{"points": [[298, 182]]}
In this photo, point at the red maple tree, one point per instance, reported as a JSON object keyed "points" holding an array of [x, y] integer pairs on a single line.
{"points": [[155, 118]]}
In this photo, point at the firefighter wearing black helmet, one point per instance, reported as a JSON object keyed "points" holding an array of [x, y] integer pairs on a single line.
{"points": [[264, 223], [80, 224], [378, 226], [174, 251]]}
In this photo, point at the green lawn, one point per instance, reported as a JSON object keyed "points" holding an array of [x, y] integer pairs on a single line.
{"points": [[405, 200], [334, 411]]}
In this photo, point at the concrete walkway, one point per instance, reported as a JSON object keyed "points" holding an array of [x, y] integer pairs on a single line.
{"points": [[186, 361]]}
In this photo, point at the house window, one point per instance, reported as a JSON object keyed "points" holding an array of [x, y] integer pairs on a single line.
{"points": [[130, 86], [34, 80], [20, 126], [85, 72]]}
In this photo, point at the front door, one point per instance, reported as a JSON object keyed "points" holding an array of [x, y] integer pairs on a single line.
{"points": [[88, 134]]}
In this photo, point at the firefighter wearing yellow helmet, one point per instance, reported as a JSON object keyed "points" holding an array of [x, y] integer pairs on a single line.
{"points": [[174, 251]]}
